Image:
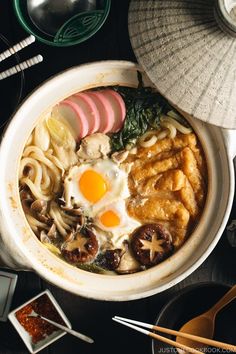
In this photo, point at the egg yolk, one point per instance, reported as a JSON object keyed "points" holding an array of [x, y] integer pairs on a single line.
{"points": [[92, 185], [110, 219]]}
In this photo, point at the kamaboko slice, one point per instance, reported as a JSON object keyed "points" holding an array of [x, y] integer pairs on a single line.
{"points": [[75, 116]]}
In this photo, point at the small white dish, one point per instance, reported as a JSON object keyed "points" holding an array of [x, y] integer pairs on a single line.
{"points": [[41, 344], [7, 288]]}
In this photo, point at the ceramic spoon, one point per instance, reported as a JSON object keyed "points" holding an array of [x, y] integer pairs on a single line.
{"points": [[204, 325]]}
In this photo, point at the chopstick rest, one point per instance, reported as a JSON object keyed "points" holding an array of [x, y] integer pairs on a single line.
{"points": [[22, 66], [17, 47], [131, 323]]}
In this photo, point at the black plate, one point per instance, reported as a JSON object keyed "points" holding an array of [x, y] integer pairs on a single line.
{"points": [[191, 302], [11, 88]]}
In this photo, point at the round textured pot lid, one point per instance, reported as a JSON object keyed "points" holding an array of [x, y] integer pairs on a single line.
{"points": [[189, 54]]}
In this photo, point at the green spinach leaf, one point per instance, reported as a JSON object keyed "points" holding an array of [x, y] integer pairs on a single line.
{"points": [[144, 107]]}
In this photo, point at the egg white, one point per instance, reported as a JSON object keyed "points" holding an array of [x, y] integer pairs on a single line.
{"points": [[115, 177], [117, 234]]}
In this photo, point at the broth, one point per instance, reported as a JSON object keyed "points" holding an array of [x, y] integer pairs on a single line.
{"points": [[113, 180]]}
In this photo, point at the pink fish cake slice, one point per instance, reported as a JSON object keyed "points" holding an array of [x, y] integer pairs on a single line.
{"points": [[118, 106], [86, 103], [75, 116], [106, 112]]}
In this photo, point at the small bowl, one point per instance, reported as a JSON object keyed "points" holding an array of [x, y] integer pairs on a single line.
{"points": [[192, 301], [56, 334], [77, 30]]}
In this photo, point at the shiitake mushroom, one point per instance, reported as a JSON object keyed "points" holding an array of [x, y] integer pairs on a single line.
{"points": [[151, 244], [82, 249], [109, 259], [119, 260], [112, 258], [128, 263]]}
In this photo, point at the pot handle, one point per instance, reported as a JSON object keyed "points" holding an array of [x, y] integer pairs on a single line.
{"points": [[230, 141], [16, 262], [10, 255]]}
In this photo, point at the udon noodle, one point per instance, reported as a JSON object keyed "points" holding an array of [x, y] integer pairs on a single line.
{"points": [[60, 220]]}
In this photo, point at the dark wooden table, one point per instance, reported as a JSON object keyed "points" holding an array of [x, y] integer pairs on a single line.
{"points": [[90, 316]]}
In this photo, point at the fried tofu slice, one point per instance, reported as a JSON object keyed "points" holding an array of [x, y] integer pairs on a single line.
{"points": [[188, 198], [191, 171], [183, 160], [152, 209], [168, 144], [179, 235], [176, 181], [162, 184], [168, 185], [172, 185], [153, 168], [172, 180], [164, 211]]}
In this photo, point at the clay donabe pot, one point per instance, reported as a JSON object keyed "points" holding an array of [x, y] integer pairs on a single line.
{"points": [[20, 248]]}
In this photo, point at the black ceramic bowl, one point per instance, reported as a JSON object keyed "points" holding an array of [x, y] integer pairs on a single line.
{"points": [[191, 302]]}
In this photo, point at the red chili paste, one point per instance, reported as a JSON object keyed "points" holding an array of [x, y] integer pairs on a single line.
{"points": [[38, 328]]}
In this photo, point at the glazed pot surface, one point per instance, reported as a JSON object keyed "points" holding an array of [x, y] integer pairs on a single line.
{"points": [[21, 248]]}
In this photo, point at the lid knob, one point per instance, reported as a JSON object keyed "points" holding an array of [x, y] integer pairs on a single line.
{"points": [[225, 15]]}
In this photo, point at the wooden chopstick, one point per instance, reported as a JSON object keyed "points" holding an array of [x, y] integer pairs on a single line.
{"points": [[157, 336], [203, 340]]}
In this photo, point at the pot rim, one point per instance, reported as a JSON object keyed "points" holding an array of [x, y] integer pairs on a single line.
{"points": [[57, 279]]}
